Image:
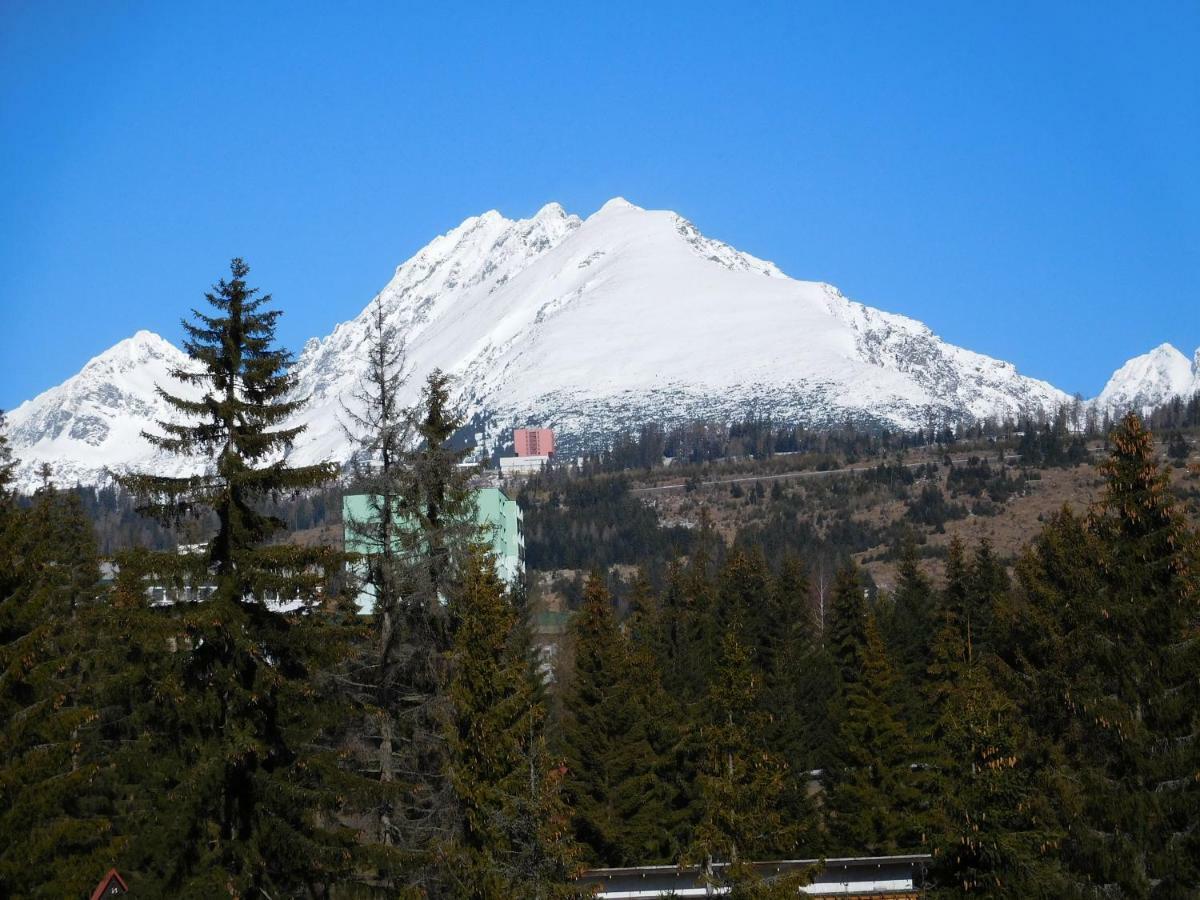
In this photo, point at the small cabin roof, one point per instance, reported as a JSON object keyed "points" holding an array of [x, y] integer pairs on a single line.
{"points": [[105, 882]]}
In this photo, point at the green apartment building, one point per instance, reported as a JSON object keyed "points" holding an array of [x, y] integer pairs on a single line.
{"points": [[498, 516]]}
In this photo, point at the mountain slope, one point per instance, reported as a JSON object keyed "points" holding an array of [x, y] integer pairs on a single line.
{"points": [[631, 315]]}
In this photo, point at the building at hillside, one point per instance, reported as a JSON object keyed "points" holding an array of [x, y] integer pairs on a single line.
{"points": [[534, 441], [517, 466], [498, 516], [856, 878]]}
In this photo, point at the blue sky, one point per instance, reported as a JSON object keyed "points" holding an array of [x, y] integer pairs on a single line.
{"points": [[1022, 177]]}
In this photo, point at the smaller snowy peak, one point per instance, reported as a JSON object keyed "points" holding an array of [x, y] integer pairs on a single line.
{"points": [[617, 204], [1149, 380], [551, 211], [94, 419], [137, 346]]}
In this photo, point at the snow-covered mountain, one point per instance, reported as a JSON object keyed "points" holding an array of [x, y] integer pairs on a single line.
{"points": [[1151, 380], [628, 316], [94, 419]]}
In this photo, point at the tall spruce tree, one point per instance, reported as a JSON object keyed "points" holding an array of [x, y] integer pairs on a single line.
{"points": [[846, 632], [613, 739], [911, 617], [744, 594], [1141, 708], [987, 586], [674, 729], [512, 836], [1108, 648], [229, 728], [790, 657], [996, 832], [841, 662], [875, 798], [993, 825], [437, 528], [58, 794], [743, 787]]}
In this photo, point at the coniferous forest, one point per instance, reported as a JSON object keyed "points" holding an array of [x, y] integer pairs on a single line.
{"points": [[226, 723]]}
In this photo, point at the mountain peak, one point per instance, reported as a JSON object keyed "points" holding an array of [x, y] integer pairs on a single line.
{"points": [[552, 210], [617, 203], [140, 346], [1148, 380], [1166, 350]]}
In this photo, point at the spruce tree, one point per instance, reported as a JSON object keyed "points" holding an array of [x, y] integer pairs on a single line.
{"points": [[875, 797], [612, 738], [909, 624], [58, 792], [846, 633], [792, 654], [1142, 712], [840, 664], [512, 836], [235, 713], [1107, 651], [911, 619], [993, 823], [987, 585], [673, 724], [438, 528], [743, 786], [744, 594], [698, 639]]}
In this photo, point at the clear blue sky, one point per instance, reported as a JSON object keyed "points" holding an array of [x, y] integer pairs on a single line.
{"points": [[1025, 178]]}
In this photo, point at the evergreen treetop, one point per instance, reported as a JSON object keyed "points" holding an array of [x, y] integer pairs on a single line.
{"points": [[235, 719]]}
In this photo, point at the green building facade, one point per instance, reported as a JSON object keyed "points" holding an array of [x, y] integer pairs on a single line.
{"points": [[498, 516]]}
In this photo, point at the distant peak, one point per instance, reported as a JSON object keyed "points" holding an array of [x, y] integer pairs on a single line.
{"points": [[134, 349], [551, 210], [140, 338], [617, 203], [1166, 348]]}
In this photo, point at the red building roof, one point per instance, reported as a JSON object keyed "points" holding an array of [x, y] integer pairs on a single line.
{"points": [[111, 885]]}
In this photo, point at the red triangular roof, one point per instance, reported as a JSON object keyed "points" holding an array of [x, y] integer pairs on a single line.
{"points": [[102, 887]]}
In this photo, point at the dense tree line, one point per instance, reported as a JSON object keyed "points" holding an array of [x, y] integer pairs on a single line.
{"points": [[1038, 733], [581, 523]]}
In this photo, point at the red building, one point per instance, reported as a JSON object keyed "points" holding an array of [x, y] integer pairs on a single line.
{"points": [[534, 441], [111, 885]]}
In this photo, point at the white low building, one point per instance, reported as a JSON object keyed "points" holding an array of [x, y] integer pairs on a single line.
{"points": [[522, 465]]}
